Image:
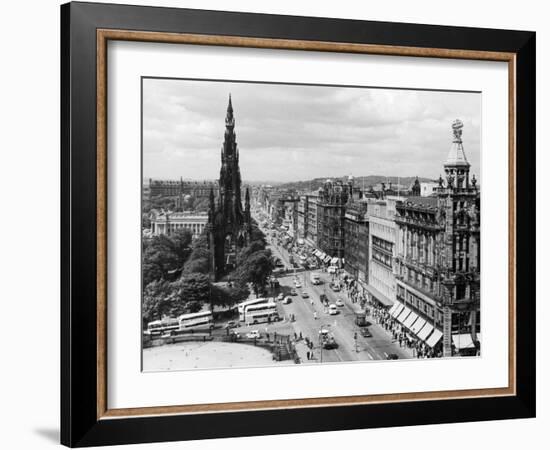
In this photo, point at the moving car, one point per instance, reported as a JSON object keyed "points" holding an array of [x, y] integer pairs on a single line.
{"points": [[315, 278], [231, 324], [332, 309], [339, 302], [392, 356], [287, 300], [298, 285], [280, 296], [365, 332], [335, 287], [327, 339], [293, 292], [305, 294], [332, 269], [254, 334]]}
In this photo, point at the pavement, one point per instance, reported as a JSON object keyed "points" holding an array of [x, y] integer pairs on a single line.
{"points": [[206, 355]]}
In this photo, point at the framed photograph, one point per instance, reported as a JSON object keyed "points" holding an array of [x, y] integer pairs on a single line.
{"points": [[276, 224]]}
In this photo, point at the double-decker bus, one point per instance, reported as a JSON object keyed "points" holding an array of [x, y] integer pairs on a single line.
{"points": [[262, 312], [203, 319], [243, 305], [157, 327]]}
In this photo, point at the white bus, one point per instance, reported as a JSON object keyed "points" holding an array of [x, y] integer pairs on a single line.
{"points": [[203, 319], [263, 312], [243, 305], [162, 326]]}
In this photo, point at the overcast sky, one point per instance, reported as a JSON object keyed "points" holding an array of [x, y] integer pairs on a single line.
{"points": [[290, 133]]}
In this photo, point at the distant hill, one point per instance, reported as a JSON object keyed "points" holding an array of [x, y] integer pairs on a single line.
{"points": [[369, 180]]}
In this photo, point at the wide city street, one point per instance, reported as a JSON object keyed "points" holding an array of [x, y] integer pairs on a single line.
{"points": [[310, 316]]}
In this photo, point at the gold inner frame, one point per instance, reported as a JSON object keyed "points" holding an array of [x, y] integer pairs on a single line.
{"points": [[104, 35]]}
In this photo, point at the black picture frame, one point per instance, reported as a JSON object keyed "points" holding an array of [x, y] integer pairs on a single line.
{"points": [[80, 425]]}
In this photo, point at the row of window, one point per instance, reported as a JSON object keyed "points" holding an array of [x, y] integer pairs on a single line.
{"points": [[382, 244], [418, 279]]}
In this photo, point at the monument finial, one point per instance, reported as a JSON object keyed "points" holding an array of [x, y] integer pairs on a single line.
{"points": [[457, 130]]}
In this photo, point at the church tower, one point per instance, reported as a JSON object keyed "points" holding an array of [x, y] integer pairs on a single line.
{"points": [[228, 226]]}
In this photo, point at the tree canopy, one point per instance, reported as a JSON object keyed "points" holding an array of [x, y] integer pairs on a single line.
{"points": [[255, 269], [163, 254]]}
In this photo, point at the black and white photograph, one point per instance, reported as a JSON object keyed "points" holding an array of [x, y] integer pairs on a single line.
{"points": [[291, 224]]}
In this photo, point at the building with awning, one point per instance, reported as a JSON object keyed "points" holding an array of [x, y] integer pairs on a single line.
{"points": [[425, 331], [378, 296], [417, 326], [403, 315], [434, 338], [464, 341], [408, 322], [395, 309]]}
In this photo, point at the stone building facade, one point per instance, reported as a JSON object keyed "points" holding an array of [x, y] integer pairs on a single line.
{"points": [[356, 243], [438, 255], [331, 212]]}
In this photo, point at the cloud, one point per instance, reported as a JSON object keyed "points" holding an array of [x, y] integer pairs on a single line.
{"points": [[297, 132]]}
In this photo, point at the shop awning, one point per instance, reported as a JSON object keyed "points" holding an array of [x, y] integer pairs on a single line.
{"points": [[334, 261], [393, 308], [417, 325], [434, 338], [327, 259], [398, 307], [425, 331], [379, 296], [462, 341], [408, 322], [404, 314]]}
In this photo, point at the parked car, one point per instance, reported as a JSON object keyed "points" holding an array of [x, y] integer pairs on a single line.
{"points": [[281, 296], [287, 300], [293, 292], [335, 287], [231, 324], [339, 302], [392, 356], [332, 309], [332, 269], [254, 334], [365, 332], [298, 285], [305, 294]]}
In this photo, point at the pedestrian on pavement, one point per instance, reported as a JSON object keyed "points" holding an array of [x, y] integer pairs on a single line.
{"points": [[307, 355], [300, 335]]}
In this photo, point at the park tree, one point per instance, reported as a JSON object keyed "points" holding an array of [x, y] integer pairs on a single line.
{"points": [[199, 259], [256, 269], [190, 288], [228, 295], [250, 249], [145, 221], [158, 301], [163, 254]]}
